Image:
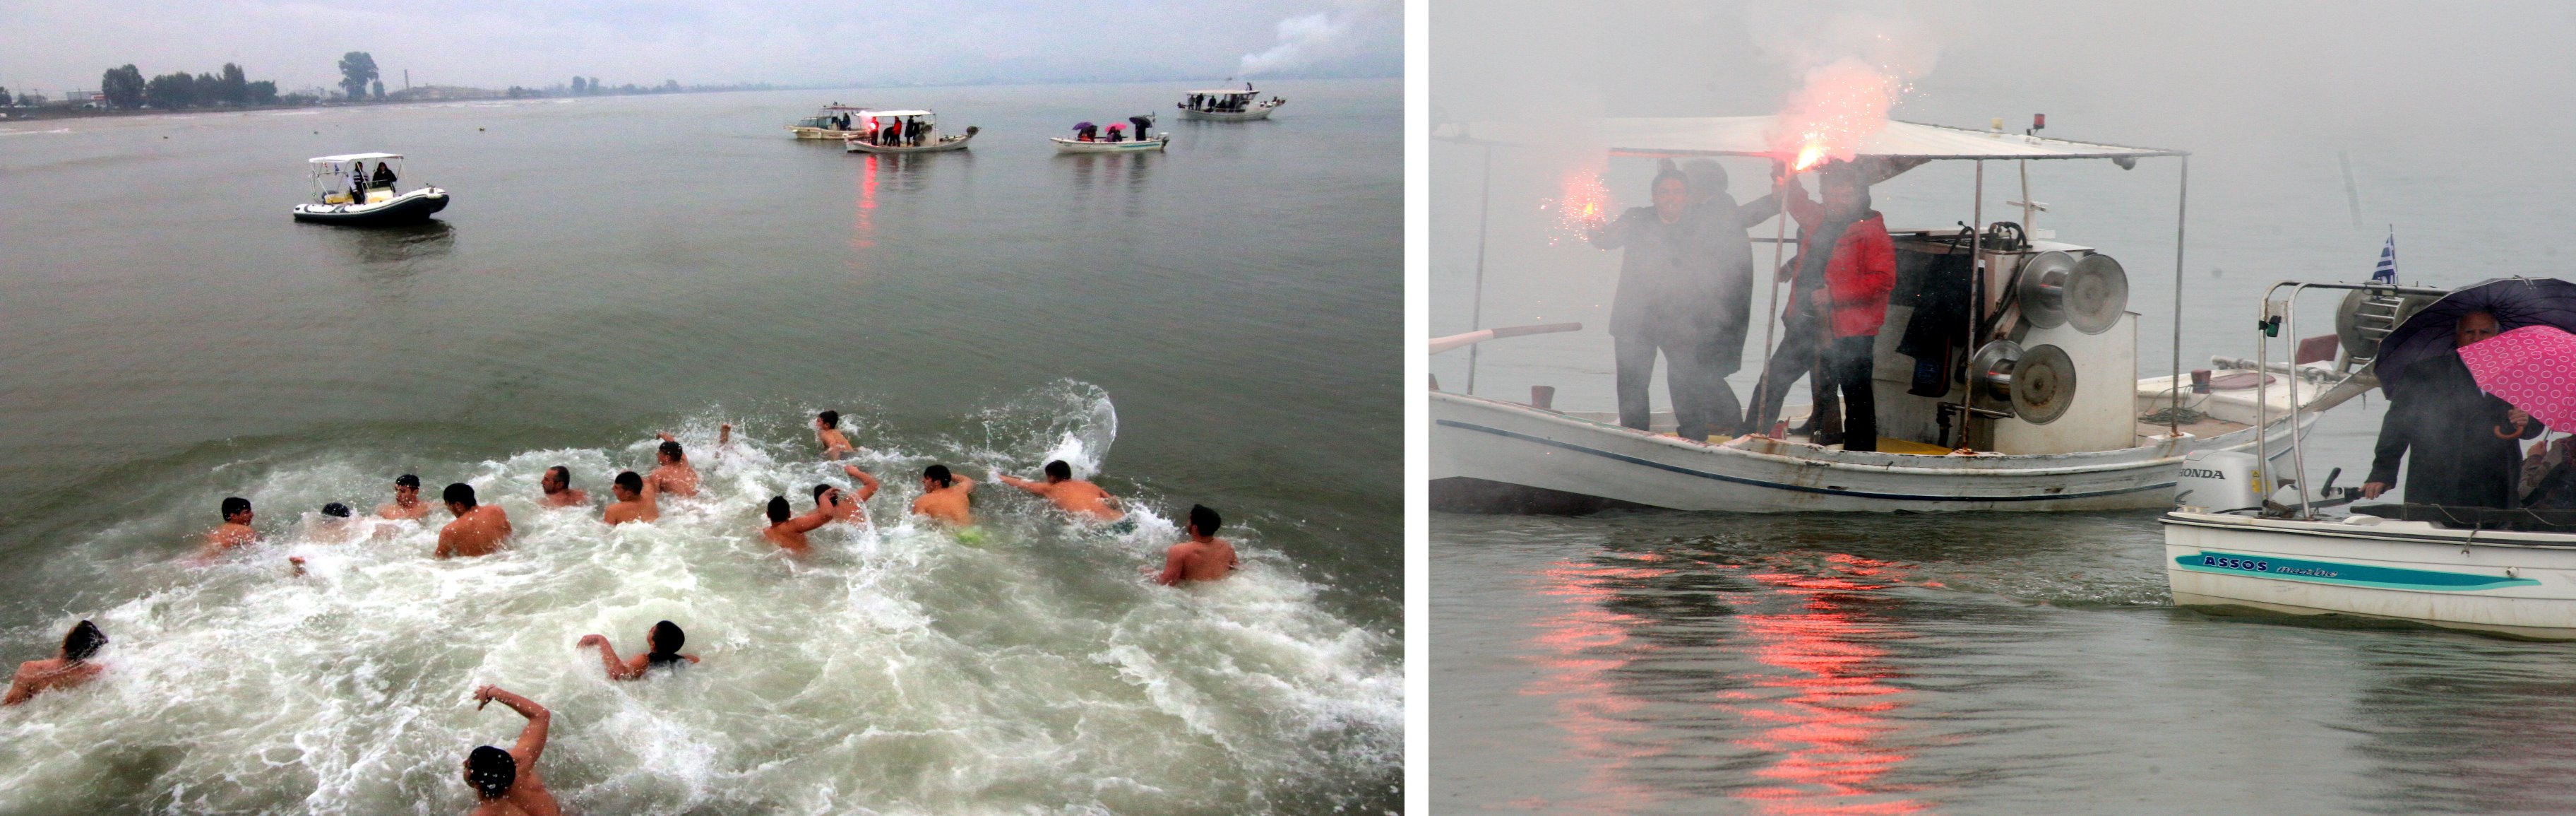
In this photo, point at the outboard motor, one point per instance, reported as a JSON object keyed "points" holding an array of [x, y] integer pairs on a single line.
{"points": [[2220, 481]]}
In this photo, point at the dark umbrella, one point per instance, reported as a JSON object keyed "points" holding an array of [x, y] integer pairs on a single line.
{"points": [[2515, 302], [1081, 125]]}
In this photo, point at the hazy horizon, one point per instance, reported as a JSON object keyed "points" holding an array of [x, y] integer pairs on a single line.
{"points": [[478, 43]]}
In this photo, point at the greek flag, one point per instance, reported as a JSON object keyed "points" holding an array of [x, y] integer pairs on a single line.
{"points": [[2387, 269]]}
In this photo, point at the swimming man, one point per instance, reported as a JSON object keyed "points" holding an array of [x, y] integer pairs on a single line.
{"points": [[1204, 557], [407, 503], [69, 667], [506, 782], [827, 429], [234, 532], [787, 530], [635, 500], [674, 473], [844, 506], [1075, 496], [477, 530], [944, 496], [662, 648], [557, 484]]}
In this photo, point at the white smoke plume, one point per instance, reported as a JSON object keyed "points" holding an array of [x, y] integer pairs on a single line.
{"points": [[1322, 37]]}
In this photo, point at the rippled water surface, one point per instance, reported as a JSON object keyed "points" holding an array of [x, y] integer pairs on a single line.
{"points": [[1216, 324]]}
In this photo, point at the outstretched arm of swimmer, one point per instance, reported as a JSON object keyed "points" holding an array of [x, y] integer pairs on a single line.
{"points": [[532, 738], [867, 483], [617, 667], [21, 689], [1034, 488]]}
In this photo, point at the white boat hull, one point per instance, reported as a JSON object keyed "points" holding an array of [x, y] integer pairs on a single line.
{"points": [[2514, 583], [1260, 111], [407, 208], [803, 132], [940, 145], [1517, 445], [1153, 145]]}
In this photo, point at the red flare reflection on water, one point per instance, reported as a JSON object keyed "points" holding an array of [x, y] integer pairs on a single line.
{"points": [[1580, 647], [1829, 727], [865, 228]]}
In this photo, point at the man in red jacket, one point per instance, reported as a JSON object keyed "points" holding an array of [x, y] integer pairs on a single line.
{"points": [[1845, 268]]}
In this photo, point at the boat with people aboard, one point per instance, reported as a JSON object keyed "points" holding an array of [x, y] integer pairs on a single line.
{"points": [[902, 131], [1228, 105], [1088, 138], [346, 191], [2248, 536], [833, 121], [2004, 375]]}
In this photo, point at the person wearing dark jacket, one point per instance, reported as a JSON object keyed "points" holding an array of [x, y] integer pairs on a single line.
{"points": [[1686, 291], [2460, 444], [1845, 268], [384, 176]]}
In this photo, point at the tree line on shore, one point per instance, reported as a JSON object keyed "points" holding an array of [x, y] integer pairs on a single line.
{"points": [[125, 87]]}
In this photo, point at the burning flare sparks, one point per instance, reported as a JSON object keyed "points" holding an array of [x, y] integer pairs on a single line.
{"points": [[1843, 103], [1584, 206]]}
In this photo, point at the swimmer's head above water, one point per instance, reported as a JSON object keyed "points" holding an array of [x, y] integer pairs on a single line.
{"points": [[1203, 521], [1058, 471], [491, 771], [828, 419], [664, 643], [335, 510], [778, 511], [82, 641], [671, 453], [937, 477], [459, 497], [557, 480], [236, 510], [628, 486]]}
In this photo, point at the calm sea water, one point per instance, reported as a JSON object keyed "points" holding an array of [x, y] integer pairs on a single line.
{"points": [[1659, 662], [1216, 324]]}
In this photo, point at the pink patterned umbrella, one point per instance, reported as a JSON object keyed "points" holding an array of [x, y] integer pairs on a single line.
{"points": [[2533, 367]]}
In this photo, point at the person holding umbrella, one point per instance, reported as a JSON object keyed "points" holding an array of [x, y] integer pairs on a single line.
{"points": [[2460, 444]]}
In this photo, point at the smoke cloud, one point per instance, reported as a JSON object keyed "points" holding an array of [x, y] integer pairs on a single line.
{"points": [[1332, 35]]}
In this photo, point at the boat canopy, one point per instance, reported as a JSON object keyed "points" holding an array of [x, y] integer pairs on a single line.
{"points": [[1226, 92], [1752, 136], [893, 114], [353, 157]]}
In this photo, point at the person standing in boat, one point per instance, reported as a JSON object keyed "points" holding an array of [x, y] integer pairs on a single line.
{"points": [[2460, 444], [1845, 267], [1142, 124], [1686, 291]]}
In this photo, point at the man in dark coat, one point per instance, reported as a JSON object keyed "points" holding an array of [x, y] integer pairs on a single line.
{"points": [[1685, 290], [2464, 441]]}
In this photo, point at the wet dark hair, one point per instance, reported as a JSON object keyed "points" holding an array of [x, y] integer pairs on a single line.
{"points": [[630, 481], [778, 511], [667, 638], [335, 510], [672, 449], [1059, 470], [562, 471], [1204, 519], [459, 493], [831, 419], [938, 473], [407, 480], [234, 504], [82, 641], [491, 771], [821, 489]]}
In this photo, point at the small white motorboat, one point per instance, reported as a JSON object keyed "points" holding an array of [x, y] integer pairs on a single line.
{"points": [[345, 192], [903, 131], [2232, 544], [833, 121], [1086, 138], [1228, 105]]}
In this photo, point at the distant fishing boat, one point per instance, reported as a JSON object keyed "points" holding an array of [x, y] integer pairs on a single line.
{"points": [[1228, 105], [1086, 139], [2236, 541], [2026, 398], [345, 193], [833, 121], [902, 131]]}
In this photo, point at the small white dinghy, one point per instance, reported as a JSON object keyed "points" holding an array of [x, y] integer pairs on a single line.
{"points": [[1228, 105], [2230, 544], [345, 193], [833, 121], [1152, 145], [903, 131]]}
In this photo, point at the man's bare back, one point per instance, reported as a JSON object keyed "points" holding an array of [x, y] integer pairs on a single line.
{"points": [[674, 473], [1080, 498], [637, 500], [234, 532], [527, 790], [39, 676], [944, 497], [1204, 557], [827, 430], [478, 529]]}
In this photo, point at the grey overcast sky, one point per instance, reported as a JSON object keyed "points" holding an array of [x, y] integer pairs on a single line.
{"points": [[54, 45]]}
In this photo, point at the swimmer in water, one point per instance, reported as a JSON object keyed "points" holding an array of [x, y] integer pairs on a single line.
{"points": [[844, 506], [234, 532], [662, 648], [944, 496], [827, 429], [69, 667], [1204, 557], [506, 782], [477, 530], [636, 500], [787, 530], [673, 471], [335, 526], [406, 503], [1082, 499], [557, 484]]}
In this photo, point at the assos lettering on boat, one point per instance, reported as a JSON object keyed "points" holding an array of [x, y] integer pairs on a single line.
{"points": [[2203, 473], [2250, 565]]}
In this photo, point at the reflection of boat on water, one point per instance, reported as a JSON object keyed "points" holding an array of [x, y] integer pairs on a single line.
{"points": [[2019, 391], [339, 197], [833, 121], [2238, 541], [903, 131], [1228, 105]]}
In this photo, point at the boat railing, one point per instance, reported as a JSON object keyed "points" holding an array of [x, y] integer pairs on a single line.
{"points": [[2280, 313]]}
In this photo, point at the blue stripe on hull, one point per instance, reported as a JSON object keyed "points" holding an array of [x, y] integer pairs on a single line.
{"points": [[1790, 487], [2329, 572]]}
